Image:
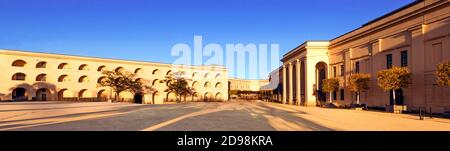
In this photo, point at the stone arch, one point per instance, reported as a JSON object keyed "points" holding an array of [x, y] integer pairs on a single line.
{"points": [[207, 97], [84, 93], [155, 97], [207, 84], [171, 97], [41, 64], [19, 76], [207, 75], [119, 69], [195, 97], [64, 78], [195, 84], [64, 66], [83, 79], [219, 96], [101, 68], [103, 95], [195, 74], [169, 72], [18, 63], [218, 85], [19, 94], [218, 76], [64, 93], [156, 71], [321, 74], [139, 71], [41, 77], [43, 94], [100, 79], [83, 67]]}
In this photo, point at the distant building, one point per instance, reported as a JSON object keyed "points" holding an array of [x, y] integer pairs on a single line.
{"points": [[43, 76], [416, 36], [247, 89]]}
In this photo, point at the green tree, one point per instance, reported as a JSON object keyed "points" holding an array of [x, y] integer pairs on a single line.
{"points": [[358, 83], [178, 84], [443, 74], [330, 85], [394, 79]]}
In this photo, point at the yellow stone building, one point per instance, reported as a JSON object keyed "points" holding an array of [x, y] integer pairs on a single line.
{"points": [[416, 36], [42, 76]]}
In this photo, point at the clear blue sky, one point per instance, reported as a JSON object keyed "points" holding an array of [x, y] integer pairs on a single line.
{"points": [[146, 30]]}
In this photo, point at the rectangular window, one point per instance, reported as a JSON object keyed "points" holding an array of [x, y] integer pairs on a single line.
{"points": [[357, 67], [342, 94], [404, 58], [342, 70], [389, 61], [334, 71], [334, 95]]}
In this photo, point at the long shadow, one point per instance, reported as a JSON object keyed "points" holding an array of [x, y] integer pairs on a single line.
{"points": [[122, 109], [55, 108], [288, 116], [132, 121]]}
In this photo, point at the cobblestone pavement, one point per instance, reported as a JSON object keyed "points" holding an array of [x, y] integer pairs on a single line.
{"points": [[208, 116]]}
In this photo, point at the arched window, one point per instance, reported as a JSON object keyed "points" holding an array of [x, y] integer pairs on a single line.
{"points": [[101, 79], [207, 85], [41, 64], [169, 72], [41, 77], [19, 63], [64, 78], [19, 77], [101, 68], [218, 76], [155, 82], [63, 66], [138, 71], [84, 67], [207, 75], [218, 85], [156, 71], [83, 79], [195, 74], [119, 69], [195, 84]]}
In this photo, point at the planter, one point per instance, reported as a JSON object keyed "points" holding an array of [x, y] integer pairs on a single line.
{"points": [[396, 109]]}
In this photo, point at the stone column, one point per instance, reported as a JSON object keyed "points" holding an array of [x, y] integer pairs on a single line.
{"points": [[299, 87], [291, 83], [284, 85]]}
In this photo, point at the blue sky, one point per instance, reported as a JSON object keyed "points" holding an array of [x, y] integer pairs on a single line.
{"points": [[146, 30]]}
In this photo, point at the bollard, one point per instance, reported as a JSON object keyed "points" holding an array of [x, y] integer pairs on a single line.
{"points": [[420, 113], [431, 113]]}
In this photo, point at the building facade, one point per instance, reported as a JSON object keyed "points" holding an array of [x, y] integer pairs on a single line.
{"points": [[42, 76], [250, 88], [416, 36]]}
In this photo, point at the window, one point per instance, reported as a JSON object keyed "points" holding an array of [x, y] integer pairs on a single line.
{"points": [[334, 95], [41, 78], [334, 71], [342, 70], [342, 94], [357, 67], [18, 77], [19, 63], [41, 64], [389, 61], [404, 58]]}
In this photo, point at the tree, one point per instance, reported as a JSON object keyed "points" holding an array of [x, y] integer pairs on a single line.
{"points": [[443, 74], [121, 81], [394, 79], [330, 85], [178, 84], [358, 83]]}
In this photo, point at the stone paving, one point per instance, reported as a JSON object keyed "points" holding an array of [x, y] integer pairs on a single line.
{"points": [[202, 116]]}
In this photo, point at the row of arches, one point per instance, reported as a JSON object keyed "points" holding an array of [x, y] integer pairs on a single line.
{"points": [[43, 78], [45, 94], [84, 79], [85, 67]]}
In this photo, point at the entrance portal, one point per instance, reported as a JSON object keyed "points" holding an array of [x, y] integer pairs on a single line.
{"points": [[18, 94], [138, 98]]}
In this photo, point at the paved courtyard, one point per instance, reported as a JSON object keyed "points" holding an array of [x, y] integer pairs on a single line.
{"points": [[228, 116]]}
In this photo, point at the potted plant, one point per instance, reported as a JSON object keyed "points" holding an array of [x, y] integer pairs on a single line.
{"points": [[358, 83], [396, 78]]}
